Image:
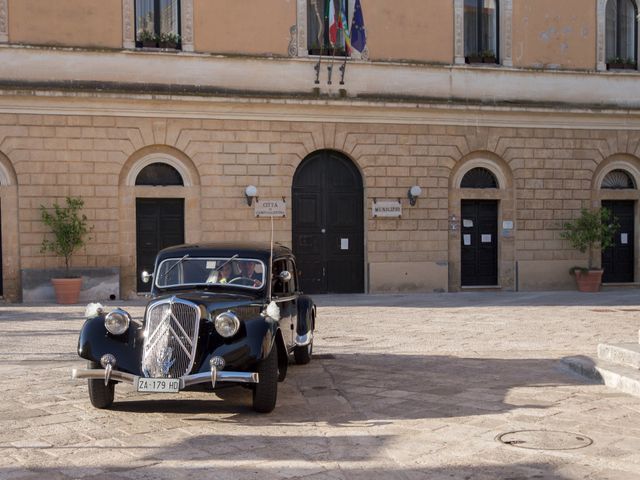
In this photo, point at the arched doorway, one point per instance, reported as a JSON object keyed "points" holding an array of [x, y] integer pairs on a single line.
{"points": [[159, 221], [618, 260], [479, 242], [328, 224]]}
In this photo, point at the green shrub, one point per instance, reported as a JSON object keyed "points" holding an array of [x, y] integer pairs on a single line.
{"points": [[69, 229], [592, 229]]}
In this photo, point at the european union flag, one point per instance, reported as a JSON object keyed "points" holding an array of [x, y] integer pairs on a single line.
{"points": [[358, 33]]}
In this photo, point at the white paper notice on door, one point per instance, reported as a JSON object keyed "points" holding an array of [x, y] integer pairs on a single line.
{"points": [[344, 244], [466, 223], [624, 238], [466, 238], [486, 238]]}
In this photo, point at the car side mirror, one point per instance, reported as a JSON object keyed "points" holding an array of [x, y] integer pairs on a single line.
{"points": [[285, 276], [146, 276]]}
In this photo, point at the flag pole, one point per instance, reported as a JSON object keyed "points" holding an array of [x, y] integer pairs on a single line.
{"points": [[320, 39]]}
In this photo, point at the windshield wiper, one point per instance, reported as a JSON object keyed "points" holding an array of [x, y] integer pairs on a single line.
{"points": [[164, 275], [217, 269]]}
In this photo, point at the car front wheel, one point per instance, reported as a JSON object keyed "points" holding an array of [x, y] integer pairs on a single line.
{"points": [[302, 354], [265, 391], [101, 395]]}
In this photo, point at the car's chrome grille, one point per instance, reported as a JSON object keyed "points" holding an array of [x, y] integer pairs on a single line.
{"points": [[170, 338]]}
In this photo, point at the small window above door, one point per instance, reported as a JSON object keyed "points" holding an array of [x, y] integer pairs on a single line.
{"points": [[157, 174]]}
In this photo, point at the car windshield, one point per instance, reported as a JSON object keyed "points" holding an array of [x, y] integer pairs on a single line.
{"points": [[182, 271]]}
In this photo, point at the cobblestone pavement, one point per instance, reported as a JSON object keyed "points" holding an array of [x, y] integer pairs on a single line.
{"points": [[403, 387]]}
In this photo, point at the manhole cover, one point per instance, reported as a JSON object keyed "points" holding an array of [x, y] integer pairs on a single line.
{"points": [[545, 440]]}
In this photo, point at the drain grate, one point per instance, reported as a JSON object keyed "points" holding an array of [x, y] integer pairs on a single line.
{"points": [[545, 440]]}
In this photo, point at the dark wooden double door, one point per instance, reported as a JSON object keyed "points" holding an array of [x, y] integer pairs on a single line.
{"points": [[159, 224], [328, 224], [618, 260], [479, 243]]}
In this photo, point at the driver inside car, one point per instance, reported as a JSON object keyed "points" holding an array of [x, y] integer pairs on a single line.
{"points": [[247, 270]]}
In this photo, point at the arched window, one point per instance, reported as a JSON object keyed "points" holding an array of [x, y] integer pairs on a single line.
{"points": [[159, 174], [481, 31], [479, 178], [621, 34], [618, 179]]}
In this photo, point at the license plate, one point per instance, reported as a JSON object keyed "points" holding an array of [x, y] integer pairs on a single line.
{"points": [[163, 385]]}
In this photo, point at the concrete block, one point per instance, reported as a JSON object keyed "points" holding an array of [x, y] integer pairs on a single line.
{"points": [[627, 354], [619, 377]]}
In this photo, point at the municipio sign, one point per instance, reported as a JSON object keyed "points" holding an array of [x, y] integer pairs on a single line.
{"points": [[270, 208], [387, 208]]}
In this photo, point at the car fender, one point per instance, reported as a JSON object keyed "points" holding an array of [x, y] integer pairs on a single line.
{"points": [[95, 341], [306, 315]]}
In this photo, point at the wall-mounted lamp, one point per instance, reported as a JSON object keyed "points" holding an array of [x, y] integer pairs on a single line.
{"points": [[413, 194], [250, 192]]}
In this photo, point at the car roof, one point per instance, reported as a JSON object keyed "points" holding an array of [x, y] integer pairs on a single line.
{"points": [[259, 250]]}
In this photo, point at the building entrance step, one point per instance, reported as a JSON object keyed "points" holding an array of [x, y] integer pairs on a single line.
{"points": [[613, 375], [627, 354]]}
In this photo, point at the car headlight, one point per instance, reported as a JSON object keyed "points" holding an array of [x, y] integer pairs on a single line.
{"points": [[227, 324], [117, 322]]}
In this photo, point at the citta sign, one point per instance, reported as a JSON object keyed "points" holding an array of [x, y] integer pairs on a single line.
{"points": [[387, 208], [270, 208]]}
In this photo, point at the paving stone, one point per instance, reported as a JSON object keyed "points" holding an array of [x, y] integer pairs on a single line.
{"points": [[419, 386]]}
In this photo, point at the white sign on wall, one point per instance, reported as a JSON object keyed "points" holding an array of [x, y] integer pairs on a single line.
{"points": [[270, 208], [387, 208]]}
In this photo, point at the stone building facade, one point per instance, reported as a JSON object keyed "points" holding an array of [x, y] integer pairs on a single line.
{"points": [[503, 153]]}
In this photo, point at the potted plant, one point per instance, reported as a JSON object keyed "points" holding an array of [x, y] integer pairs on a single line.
{"points": [[474, 57], [615, 63], [148, 39], [488, 56], [169, 40], [70, 230], [592, 229]]}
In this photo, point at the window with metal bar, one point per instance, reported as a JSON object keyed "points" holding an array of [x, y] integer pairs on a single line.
{"points": [[481, 31], [621, 34], [158, 23]]}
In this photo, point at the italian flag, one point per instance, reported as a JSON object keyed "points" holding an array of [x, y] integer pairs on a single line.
{"points": [[333, 24]]}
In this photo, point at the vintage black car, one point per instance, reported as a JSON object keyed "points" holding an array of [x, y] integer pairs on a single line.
{"points": [[219, 314]]}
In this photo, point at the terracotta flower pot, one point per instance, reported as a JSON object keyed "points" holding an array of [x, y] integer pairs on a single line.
{"points": [[589, 280], [67, 289]]}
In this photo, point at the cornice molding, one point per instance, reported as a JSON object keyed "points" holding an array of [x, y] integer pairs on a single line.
{"points": [[312, 111], [4, 21]]}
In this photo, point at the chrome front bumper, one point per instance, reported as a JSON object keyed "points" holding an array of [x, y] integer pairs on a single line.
{"points": [[213, 376]]}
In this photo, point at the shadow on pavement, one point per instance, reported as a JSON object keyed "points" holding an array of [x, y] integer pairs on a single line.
{"points": [[352, 388]]}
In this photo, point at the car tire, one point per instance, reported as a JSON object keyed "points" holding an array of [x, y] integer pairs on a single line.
{"points": [[100, 395], [265, 392], [302, 355]]}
